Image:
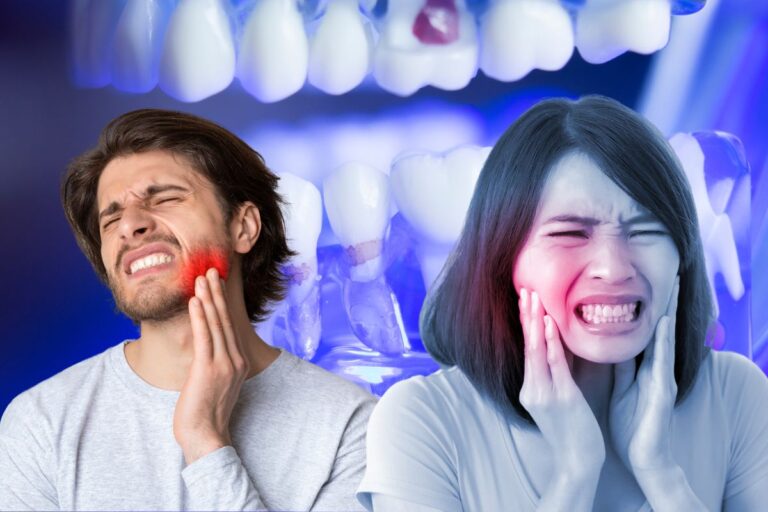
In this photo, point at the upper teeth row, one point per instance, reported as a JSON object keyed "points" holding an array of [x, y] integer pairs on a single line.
{"points": [[149, 261], [609, 309]]}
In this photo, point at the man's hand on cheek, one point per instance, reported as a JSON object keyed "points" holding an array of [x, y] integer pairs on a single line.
{"points": [[217, 372]]}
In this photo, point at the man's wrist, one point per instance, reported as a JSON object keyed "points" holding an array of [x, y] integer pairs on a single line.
{"points": [[195, 449]]}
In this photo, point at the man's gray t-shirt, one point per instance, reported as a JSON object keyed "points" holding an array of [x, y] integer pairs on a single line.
{"points": [[98, 437]]}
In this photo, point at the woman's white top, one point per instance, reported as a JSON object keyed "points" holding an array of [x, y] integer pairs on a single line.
{"points": [[436, 441]]}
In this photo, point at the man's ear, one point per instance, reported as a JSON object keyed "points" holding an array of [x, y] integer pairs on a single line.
{"points": [[245, 227]]}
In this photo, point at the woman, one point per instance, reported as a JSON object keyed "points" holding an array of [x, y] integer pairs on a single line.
{"points": [[571, 322]]}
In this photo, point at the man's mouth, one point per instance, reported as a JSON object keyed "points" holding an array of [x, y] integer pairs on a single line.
{"points": [[597, 314], [150, 261]]}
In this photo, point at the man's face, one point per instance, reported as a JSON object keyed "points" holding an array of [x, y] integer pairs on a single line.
{"points": [[156, 213], [603, 267]]}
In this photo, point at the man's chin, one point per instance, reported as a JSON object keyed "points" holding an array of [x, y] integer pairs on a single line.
{"points": [[153, 308]]}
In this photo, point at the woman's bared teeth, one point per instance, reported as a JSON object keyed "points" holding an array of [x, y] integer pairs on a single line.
{"points": [[608, 313]]}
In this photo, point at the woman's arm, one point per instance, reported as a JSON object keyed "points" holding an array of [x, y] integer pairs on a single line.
{"points": [[384, 503]]}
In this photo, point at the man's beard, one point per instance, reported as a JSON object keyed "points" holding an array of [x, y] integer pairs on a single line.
{"points": [[152, 303]]}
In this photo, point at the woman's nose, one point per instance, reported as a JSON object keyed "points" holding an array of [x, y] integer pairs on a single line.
{"points": [[135, 222], [611, 261]]}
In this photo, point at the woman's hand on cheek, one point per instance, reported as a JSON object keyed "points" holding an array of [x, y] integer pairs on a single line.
{"points": [[554, 400], [641, 406]]}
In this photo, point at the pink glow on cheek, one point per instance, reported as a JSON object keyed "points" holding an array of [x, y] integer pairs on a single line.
{"points": [[198, 264]]}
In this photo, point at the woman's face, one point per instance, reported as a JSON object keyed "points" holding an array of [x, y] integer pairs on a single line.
{"points": [[603, 266]]}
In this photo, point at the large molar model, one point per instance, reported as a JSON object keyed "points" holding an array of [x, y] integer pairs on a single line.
{"points": [[718, 175], [433, 192]]}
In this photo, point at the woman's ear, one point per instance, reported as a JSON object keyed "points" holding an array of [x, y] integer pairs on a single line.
{"points": [[245, 227]]}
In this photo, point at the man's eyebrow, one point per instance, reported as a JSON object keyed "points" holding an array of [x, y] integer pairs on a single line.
{"points": [[641, 218], [150, 191]]}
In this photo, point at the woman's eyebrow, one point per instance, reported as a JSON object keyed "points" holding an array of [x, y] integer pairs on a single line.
{"points": [[642, 218], [150, 191]]}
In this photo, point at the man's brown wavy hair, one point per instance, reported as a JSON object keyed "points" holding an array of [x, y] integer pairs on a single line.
{"points": [[237, 173]]}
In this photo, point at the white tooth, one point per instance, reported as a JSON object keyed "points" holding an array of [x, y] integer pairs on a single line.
{"points": [[598, 320], [274, 52], [616, 311], [93, 24], [433, 192], [717, 234], [625, 309], [357, 200], [606, 310], [607, 28], [521, 35], [199, 52], [137, 44], [403, 64], [340, 50], [632, 307], [303, 215]]}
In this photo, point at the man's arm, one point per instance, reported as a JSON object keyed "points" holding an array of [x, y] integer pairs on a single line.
{"points": [[26, 481]]}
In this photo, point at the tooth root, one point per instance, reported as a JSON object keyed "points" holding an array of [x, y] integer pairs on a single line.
{"points": [[605, 30], [137, 44], [198, 53], [303, 215], [340, 50], [274, 51], [521, 35], [357, 201]]}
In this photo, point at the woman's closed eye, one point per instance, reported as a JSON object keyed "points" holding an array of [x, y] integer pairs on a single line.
{"points": [[647, 232], [569, 234]]}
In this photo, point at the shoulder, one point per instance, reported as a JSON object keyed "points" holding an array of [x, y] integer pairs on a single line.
{"points": [[431, 406], [40, 405], [316, 393], [736, 375]]}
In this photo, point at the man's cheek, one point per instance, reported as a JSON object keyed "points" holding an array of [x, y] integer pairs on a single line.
{"points": [[198, 263]]}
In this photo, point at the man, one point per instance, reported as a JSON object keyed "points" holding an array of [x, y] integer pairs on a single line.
{"points": [[199, 412]]}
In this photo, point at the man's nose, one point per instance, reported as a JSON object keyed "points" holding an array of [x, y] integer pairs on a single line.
{"points": [[135, 222], [612, 261]]}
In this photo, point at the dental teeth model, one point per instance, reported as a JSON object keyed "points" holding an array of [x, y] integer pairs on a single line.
{"points": [[518, 36], [433, 194], [199, 52], [431, 43], [274, 51], [137, 44], [303, 215], [420, 42], [605, 28], [340, 49], [357, 201]]}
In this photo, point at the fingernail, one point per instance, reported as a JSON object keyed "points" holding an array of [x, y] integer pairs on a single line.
{"points": [[534, 300], [524, 297]]}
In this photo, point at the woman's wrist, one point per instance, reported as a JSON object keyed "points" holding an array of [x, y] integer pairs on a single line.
{"points": [[667, 488], [571, 490]]}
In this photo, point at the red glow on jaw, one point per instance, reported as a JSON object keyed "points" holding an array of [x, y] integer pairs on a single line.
{"points": [[198, 264]]}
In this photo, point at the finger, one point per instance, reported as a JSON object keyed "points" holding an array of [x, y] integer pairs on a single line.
{"points": [[219, 301], [203, 292], [672, 338], [201, 337], [537, 348], [661, 368], [524, 305], [623, 377], [558, 365]]}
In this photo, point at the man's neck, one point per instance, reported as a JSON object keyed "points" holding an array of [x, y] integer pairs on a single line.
{"points": [[164, 352]]}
